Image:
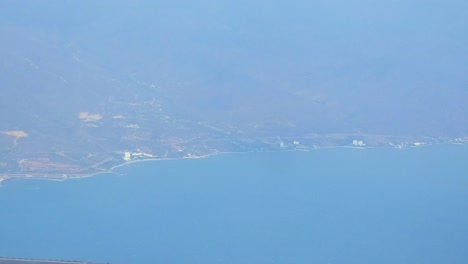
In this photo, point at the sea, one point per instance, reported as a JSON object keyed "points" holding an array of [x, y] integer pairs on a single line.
{"points": [[337, 205]]}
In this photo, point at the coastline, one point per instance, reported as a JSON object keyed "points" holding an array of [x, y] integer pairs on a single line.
{"points": [[64, 176]]}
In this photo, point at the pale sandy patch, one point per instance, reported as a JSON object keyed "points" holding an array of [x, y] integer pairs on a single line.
{"points": [[16, 133], [118, 117], [87, 117]]}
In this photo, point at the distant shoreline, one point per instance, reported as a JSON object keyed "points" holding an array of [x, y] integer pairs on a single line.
{"points": [[63, 177]]}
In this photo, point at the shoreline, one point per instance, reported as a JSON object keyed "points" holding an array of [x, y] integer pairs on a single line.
{"points": [[63, 177]]}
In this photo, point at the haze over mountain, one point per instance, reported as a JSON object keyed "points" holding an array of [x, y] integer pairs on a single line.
{"points": [[393, 68], [242, 71]]}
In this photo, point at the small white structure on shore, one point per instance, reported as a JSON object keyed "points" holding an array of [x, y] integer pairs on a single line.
{"points": [[127, 156], [359, 143]]}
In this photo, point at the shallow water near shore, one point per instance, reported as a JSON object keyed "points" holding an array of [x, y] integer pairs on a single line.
{"points": [[325, 206]]}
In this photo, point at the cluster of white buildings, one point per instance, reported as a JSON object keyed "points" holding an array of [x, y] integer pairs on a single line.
{"points": [[358, 143]]}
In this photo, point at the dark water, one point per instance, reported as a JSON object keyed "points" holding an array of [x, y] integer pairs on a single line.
{"points": [[324, 206]]}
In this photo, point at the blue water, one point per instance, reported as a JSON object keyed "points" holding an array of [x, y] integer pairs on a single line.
{"points": [[323, 206]]}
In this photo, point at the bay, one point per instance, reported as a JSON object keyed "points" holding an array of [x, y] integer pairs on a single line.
{"points": [[337, 205]]}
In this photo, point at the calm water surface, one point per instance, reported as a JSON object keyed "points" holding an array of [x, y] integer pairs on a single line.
{"points": [[324, 206]]}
